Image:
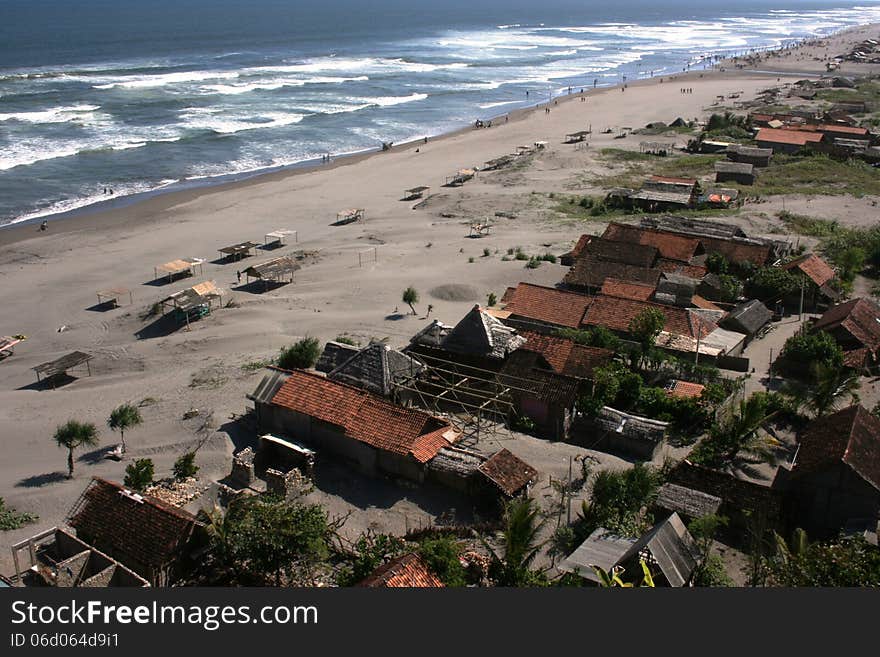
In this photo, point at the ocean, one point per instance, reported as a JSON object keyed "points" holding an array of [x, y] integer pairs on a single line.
{"points": [[135, 97]]}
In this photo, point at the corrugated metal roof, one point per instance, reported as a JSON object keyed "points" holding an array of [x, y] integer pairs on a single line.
{"points": [[268, 386]]}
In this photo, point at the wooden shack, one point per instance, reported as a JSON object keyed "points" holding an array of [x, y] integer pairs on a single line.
{"points": [[735, 172]]}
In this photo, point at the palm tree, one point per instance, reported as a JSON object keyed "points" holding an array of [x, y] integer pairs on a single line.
{"points": [[521, 545], [738, 438], [73, 434], [831, 386], [411, 296], [124, 417]]}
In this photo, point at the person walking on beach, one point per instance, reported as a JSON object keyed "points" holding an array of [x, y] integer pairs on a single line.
{"points": [[44, 226], [238, 274]]}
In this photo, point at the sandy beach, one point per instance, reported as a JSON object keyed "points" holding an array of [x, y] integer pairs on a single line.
{"points": [[50, 279]]}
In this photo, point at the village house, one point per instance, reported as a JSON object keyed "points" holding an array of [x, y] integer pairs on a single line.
{"points": [[688, 503], [741, 173], [614, 287], [369, 432], [567, 259], [668, 550], [790, 142], [488, 481], [671, 246], [58, 558], [821, 280], [375, 368], [748, 317], [855, 325], [684, 329], [565, 356], [618, 432], [406, 571], [541, 308], [145, 534], [835, 479], [546, 398], [658, 194], [588, 274], [757, 157], [490, 356]]}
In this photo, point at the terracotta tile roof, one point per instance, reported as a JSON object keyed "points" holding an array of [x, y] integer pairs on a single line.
{"points": [[675, 267], [590, 272], [547, 304], [364, 417], [860, 317], [508, 472], [814, 267], [856, 358], [842, 129], [566, 356], [790, 137], [138, 530], [640, 255], [686, 389], [615, 314], [579, 247], [670, 245], [613, 287], [737, 251], [851, 436], [702, 303], [407, 571]]}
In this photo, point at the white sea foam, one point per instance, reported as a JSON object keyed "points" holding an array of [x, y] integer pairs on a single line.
{"points": [[165, 79], [227, 125], [354, 65], [498, 104], [53, 115], [389, 101], [87, 199], [278, 83]]}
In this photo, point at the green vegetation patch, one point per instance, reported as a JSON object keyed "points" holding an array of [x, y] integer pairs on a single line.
{"points": [[818, 175]]}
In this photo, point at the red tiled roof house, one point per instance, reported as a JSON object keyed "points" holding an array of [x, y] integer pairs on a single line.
{"points": [[855, 325], [406, 571], [368, 431], [145, 534], [836, 474]]}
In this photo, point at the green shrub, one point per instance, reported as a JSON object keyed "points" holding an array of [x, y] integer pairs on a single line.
{"points": [[533, 263], [300, 355], [772, 283], [806, 348], [185, 466], [491, 299], [487, 252], [617, 500], [441, 554], [548, 257], [598, 336], [139, 474], [12, 519]]}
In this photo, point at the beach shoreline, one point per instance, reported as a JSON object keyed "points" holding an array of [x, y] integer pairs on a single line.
{"points": [[160, 198]]}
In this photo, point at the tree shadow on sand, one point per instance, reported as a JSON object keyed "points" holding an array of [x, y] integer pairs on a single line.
{"points": [[96, 455], [37, 481]]}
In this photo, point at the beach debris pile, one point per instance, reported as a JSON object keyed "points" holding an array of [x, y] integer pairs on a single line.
{"points": [[177, 492]]}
